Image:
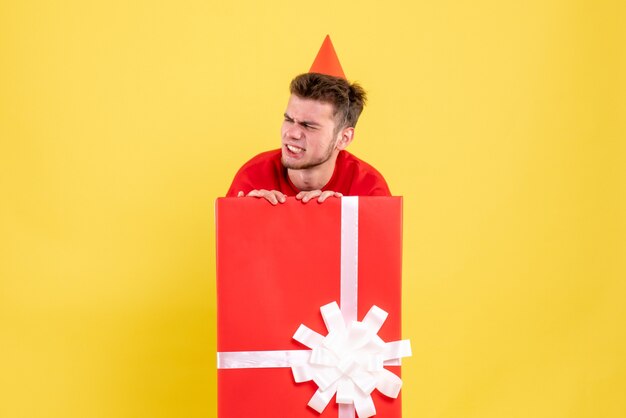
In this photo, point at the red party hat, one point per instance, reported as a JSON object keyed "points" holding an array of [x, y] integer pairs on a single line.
{"points": [[326, 61]]}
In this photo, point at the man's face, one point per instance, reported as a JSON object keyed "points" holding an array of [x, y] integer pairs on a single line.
{"points": [[308, 133]]}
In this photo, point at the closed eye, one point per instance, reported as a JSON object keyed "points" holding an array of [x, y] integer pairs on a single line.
{"points": [[310, 125], [305, 124]]}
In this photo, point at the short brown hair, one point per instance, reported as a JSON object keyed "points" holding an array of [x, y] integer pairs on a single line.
{"points": [[348, 99]]}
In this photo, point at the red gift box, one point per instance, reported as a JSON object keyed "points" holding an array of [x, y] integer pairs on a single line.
{"points": [[276, 266]]}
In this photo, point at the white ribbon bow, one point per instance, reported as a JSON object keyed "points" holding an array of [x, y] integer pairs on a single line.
{"points": [[349, 360]]}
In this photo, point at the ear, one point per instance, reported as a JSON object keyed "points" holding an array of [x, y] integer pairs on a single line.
{"points": [[345, 137]]}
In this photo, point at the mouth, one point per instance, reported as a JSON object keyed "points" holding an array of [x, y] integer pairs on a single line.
{"points": [[293, 150]]}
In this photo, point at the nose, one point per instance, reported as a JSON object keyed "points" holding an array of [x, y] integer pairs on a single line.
{"points": [[293, 131]]}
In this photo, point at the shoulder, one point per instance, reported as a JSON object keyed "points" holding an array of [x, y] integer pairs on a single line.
{"points": [[262, 160], [367, 180], [348, 161], [263, 171]]}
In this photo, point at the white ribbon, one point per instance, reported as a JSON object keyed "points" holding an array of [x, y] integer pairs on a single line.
{"points": [[349, 257], [349, 360], [261, 359]]}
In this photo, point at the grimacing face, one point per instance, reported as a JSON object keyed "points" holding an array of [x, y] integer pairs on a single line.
{"points": [[308, 134]]}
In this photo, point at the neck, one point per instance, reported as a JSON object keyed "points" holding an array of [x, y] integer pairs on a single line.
{"points": [[313, 178]]}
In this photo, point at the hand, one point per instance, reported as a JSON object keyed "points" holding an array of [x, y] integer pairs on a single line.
{"points": [[321, 196], [272, 196]]}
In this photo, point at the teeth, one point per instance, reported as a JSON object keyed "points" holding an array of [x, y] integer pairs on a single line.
{"points": [[294, 149]]}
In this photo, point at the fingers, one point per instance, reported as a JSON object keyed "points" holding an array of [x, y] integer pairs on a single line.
{"points": [[320, 195], [306, 196], [325, 195], [272, 196], [275, 197]]}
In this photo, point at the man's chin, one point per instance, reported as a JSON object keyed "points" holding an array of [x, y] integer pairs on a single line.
{"points": [[292, 165], [301, 165]]}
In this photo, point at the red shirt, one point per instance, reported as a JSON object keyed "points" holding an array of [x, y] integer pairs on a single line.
{"points": [[352, 177]]}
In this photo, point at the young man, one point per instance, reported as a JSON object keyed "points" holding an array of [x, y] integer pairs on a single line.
{"points": [[312, 163]]}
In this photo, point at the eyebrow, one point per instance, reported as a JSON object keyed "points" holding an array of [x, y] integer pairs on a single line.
{"points": [[303, 122]]}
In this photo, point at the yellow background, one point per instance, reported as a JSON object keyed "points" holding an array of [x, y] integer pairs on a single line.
{"points": [[501, 122]]}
